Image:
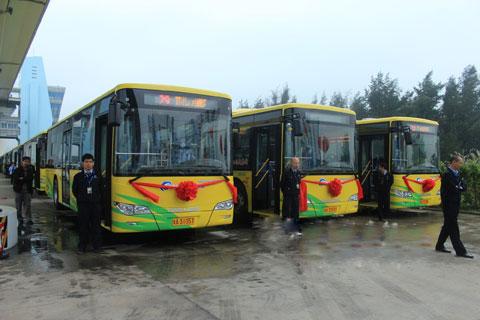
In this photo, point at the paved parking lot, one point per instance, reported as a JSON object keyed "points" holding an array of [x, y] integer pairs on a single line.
{"points": [[346, 268]]}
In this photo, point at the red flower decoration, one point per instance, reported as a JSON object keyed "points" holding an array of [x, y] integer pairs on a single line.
{"points": [[335, 187], [187, 190], [428, 184]]}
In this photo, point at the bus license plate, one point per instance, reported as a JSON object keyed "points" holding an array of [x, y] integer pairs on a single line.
{"points": [[330, 209], [187, 221], [424, 201]]}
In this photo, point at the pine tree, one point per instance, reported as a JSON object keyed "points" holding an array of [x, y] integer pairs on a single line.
{"points": [[338, 100], [359, 105], [426, 99], [449, 128], [383, 96]]}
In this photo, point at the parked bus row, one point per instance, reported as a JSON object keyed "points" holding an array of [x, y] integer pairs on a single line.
{"points": [[175, 157]]}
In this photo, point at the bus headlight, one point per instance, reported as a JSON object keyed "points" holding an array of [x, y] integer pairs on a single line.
{"points": [[353, 197], [130, 209], [224, 205], [402, 194]]}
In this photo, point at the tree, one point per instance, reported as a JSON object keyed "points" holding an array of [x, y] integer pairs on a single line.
{"points": [[259, 103], [359, 105], [243, 104], [338, 100], [469, 116], [383, 96], [426, 98], [315, 99], [285, 96], [449, 130], [323, 99]]}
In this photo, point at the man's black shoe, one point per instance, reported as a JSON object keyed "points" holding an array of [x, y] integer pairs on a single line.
{"points": [[81, 251], [442, 250], [30, 222], [98, 250], [465, 255]]}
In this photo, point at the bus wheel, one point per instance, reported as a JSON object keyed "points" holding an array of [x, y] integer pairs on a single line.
{"points": [[56, 201], [240, 211]]}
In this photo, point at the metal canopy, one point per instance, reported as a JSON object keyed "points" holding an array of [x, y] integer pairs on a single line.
{"points": [[19, 20]]}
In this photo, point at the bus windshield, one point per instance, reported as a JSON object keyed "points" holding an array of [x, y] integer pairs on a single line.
{"points": [[421, 155], [165, 133], [327, 144]]}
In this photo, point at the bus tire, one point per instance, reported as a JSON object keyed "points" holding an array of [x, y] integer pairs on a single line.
{"points": [[240, 211], [56, 201]]}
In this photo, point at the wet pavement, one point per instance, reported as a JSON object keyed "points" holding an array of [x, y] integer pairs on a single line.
{"points": [[345, 268]]}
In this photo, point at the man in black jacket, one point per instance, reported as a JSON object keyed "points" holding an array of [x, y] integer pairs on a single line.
{"points": [[384, 181], [88, 188], [23, 187], [451, 193], [290, 185]]}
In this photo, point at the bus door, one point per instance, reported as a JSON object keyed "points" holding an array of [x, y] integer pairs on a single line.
{"points": [[66, 148], [266, 168], [102, 160], [373, 149]]}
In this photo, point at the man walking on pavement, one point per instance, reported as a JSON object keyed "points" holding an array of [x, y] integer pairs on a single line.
{"points": [[23, 186], [290, 185], [451, 193], [88, 190]]}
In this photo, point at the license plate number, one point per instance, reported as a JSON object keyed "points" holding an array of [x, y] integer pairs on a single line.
{"points": [[424, 201], [187, 221], [330, 209]]}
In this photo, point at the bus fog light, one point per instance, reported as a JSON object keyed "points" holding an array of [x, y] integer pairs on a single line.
{"points": [[353, 197], [224, 205]]}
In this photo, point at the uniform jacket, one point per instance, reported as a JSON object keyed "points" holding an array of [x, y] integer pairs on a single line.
{"points": [[383, 182], [80, 185], [451, 190], [23, 176], [290, 183]]}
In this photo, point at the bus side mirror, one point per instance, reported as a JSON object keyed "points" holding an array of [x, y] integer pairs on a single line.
{"points": [[297, 125], [236, 134], [407, 133], [115, 113]]}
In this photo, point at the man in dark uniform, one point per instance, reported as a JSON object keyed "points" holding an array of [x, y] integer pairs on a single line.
{"points": [[290, 185], [384, 181], [451, 192], [23, 187], [88, 189]]}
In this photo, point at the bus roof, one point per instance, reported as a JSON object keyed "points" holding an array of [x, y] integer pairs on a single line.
{"points": [[390, 119], [32, 138], [245, 112], [146, 86]]}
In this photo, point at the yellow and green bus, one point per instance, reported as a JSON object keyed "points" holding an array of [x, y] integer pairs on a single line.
{"points": [[32, 148], [35, 148], [323, 137], [410, 148], [164, 152]]}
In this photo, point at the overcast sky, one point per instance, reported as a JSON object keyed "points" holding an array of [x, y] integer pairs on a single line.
{"points": [[246, 48]]}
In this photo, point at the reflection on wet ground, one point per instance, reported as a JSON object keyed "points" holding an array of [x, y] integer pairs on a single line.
{"points": [[51, 242]]}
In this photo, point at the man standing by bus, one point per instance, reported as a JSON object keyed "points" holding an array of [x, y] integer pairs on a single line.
{"points": [[88, 189], [383, 185], [22, 179], [451, 193], [290, 185]]}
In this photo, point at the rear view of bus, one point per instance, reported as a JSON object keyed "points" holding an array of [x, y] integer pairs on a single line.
{"points": [[170, 162], [410, 147]]}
